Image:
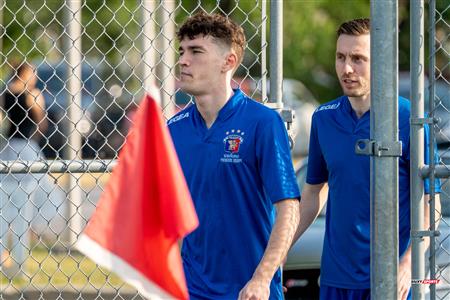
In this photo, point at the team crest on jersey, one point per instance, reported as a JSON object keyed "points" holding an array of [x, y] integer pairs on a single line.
{"points": [[232, 143]]}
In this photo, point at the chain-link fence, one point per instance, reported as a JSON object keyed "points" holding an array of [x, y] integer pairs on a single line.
{"points": [[72, 76], [439, 109], [59, 136], [430, 90]]}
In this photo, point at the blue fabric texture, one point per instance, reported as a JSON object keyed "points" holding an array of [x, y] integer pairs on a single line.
{"points": [[333, 293], [334, 132], [236, 170]]}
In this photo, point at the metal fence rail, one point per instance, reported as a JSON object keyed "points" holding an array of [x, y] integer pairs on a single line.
{"points": [[94, 61]]}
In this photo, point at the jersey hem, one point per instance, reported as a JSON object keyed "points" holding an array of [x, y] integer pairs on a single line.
{"points": [[341, 285], [315, 180]]}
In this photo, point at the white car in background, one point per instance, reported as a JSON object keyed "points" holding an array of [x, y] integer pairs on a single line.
{"points": [[297, 97], [301, 271]]}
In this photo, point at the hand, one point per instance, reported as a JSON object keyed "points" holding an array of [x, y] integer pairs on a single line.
{"points": [[404, 279], [255, 289]]}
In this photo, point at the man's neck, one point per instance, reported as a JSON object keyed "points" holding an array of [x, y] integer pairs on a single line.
{"points": [[360, 105], [210, 104]]}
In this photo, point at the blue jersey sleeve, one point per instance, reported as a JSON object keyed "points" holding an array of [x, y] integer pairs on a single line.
{"points": [[317, 168], [437, 182], [274, 161]]}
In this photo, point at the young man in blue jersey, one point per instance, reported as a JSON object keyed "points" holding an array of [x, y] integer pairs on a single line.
{"points": [[235, 156], [336, 126]]}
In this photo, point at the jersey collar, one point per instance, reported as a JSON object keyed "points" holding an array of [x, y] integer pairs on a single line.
{"points": [[347, 106], [224, 113], [228, 109]]}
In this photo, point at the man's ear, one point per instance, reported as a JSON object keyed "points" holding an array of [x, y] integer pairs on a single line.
{"points": [[230, 62]]}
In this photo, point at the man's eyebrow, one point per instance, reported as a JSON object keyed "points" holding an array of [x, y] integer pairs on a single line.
{"points": [[358, 55], [194, 47], [352, 55]]}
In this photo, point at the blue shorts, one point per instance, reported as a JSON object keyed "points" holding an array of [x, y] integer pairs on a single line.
{"points": [[334, 293]]}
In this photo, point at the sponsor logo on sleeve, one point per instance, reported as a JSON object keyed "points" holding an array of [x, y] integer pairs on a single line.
{"points": [[328, 107], [178, 118]]}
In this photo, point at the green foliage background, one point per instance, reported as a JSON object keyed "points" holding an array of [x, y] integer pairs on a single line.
{"points": [[112, 30]]}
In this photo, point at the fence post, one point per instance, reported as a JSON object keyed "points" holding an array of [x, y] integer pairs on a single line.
{"points": [[167, 57], [74, 61], [384, 169], [432, 65], [276, 53], [263, 51], [417, 146], [148, 40]]}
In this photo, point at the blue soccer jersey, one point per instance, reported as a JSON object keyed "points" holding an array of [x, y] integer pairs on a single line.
{"points": [[334, 132], [236, 170]]}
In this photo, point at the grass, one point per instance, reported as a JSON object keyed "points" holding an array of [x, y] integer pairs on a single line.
{"points": [[46, 269]]}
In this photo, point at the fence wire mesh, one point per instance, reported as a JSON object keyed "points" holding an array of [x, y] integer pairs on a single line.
{"points": [[439, 88], [92, 64], [65, 114]]}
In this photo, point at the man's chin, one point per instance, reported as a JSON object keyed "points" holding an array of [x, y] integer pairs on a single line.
{"points": [[184, 86], [354, 93], [187, 89]]}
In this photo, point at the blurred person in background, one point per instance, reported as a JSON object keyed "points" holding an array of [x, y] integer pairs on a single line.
{"points": [[24, 107], [235, 156], [336, 126]]}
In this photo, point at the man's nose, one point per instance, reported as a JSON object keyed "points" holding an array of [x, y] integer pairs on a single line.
{"points": [[183, 60], [348, 67]]}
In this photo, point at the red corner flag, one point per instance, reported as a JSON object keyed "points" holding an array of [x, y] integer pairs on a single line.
{"points": [[143, 212]]}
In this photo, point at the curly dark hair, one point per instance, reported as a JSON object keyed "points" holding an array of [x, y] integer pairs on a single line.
{"points": [[217, 26], [354, 27]]}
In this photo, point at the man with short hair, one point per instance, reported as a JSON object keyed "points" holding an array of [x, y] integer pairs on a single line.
{"points": [[235, 156], [336, 126]]}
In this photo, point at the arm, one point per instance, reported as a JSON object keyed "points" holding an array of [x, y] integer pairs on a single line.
{"points": [[310, 207], [36, 103], [280, 239], [404, 269]]}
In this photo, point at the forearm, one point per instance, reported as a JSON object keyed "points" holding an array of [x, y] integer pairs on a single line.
{"points": [[283, 231], [406, 257], [437, 207], [310, 207], [308, 213]]}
